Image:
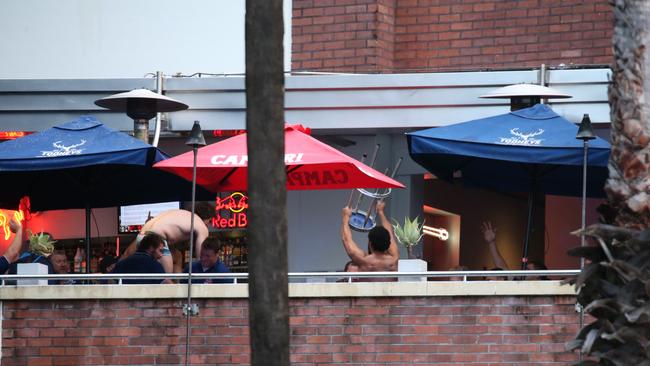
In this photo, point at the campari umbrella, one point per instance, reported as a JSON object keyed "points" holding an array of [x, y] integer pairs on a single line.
{"points": [[84, 164], [530, 150], [310, 164]]}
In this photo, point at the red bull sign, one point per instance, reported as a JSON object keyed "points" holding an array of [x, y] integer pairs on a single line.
{"points": [[231, 211]]}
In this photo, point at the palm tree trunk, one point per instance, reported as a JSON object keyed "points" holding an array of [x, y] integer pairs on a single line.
{"points": [[629, 95], [267, 226]]}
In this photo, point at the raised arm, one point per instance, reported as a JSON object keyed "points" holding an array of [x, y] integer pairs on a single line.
{"points": [[490, 236], [13, 252], [354, 252], [392, 249]]}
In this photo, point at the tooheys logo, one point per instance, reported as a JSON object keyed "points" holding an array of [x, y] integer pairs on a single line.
{"points": [[522, 139], [62, 150]]}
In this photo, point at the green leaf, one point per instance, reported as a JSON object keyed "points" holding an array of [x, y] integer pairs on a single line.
{"points": [[409, 234]]}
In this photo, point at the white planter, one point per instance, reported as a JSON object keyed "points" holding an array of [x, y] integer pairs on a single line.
{"points": [[31, 269], [412, 265]]}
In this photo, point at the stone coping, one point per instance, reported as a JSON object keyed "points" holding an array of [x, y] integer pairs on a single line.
{"points": [[296, 290]]}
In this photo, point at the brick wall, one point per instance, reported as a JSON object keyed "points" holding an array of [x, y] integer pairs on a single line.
{"points": [[444, 35], [493, 330], [342, 35]]}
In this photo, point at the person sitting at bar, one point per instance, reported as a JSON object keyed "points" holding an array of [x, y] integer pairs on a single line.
{"points": [[536, 266], [60, 265], [209, 263], [490, 235], [108, 258], [349, 267], [40, 247], [383, 253], [144, 260], [458, 268], [15, 248], [174, 227]]}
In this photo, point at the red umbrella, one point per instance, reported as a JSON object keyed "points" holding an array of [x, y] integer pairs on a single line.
{"points": [[311, 164]]}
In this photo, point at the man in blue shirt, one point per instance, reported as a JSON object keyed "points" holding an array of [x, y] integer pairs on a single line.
{"points": [[209, 263], [144, 260]]}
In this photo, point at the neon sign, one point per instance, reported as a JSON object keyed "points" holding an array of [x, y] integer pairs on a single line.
{"points": [[227, 133], [231, 211], [23, 213], [4, 221], [12, 135], [439, 233]]}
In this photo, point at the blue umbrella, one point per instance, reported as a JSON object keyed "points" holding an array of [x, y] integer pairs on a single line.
{"points": [[529, 150], [84, 164]]}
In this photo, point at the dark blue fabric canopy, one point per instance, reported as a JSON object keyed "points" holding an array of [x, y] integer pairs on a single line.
{"points": [[82, 164], [514, 152]]}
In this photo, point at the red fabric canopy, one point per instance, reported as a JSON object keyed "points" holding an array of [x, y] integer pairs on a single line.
{"points": [[311, 164]]}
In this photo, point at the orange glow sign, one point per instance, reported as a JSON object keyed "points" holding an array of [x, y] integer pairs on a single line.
{"points": [[227, 133], [231, 212], [5, 217], [12, 135]]}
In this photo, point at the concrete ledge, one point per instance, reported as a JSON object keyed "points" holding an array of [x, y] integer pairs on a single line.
{"points": [[296, 290]]}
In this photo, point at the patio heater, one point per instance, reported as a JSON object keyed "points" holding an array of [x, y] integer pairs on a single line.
{"points": [[141, 105], [585, 133], [524, 96]]}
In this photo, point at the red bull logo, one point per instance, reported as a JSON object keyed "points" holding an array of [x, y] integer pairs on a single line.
{"points": [[236, 202], [234, 209]]}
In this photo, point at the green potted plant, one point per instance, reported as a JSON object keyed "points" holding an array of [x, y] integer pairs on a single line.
{"points": [[409, 235]]}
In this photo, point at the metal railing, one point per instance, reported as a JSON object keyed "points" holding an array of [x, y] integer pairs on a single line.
{"points": [[237, 278]]}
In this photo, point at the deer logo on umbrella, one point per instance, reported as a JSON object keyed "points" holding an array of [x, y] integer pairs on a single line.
{"points": [[522, 139], [63, 150]]}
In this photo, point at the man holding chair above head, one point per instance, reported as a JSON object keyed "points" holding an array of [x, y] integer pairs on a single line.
{"points": [[383, 253]]}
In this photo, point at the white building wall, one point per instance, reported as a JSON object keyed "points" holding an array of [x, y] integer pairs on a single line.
{"points": [[124, 38]]}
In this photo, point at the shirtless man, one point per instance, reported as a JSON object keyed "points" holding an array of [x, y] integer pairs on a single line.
{"points": [[383, 254], [174, 227]]}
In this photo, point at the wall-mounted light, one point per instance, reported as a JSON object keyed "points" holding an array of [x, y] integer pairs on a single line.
{"points": [[437, 233]]}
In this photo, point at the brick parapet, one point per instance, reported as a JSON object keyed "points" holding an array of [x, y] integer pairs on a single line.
{"points": [[470, 330]]}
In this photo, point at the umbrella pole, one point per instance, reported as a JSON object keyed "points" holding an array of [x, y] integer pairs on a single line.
{"points": [[529, 226], [88, 212], [585, 145]]}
